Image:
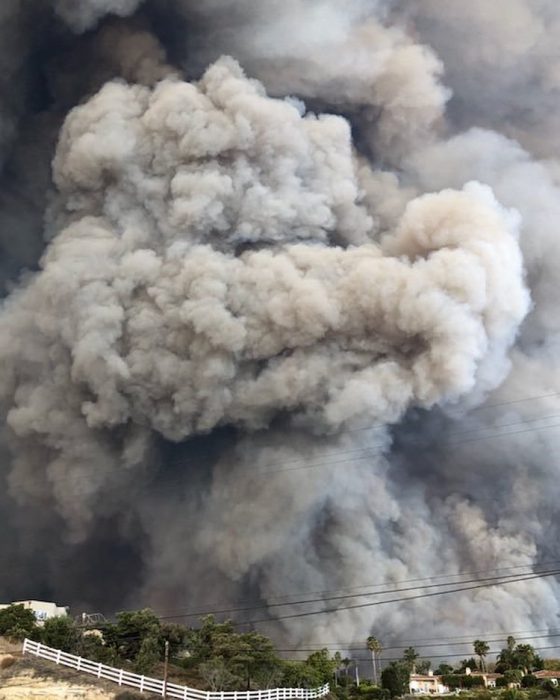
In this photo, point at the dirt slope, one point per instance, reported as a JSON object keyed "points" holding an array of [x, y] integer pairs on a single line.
{"points": [[26, 678]]}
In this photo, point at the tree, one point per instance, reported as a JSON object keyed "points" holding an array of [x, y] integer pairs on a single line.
{"points": [[375, 647], [524, 656], [60, 633], [467, 663], [202, 643], [481, 648], [410, 655], [423, 666], [337, 658], [216, 673], [148, 655], [323, 664], [128, 633], [396, 678], [248, 654], [506, 656], [17, 622], [443, 670]]}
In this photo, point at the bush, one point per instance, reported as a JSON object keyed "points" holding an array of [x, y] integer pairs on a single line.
{"points": [[513, 694], [395, 678], [550, 688], [7, 662], [60, 633], [148, 656], [513, 675], [16, 622], [374, 693], [529, 681]]}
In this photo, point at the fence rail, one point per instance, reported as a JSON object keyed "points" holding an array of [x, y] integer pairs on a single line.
{"points": [[153, 685]]}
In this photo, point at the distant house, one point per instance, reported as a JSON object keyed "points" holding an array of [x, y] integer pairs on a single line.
{"points": [[429, 684], [489, 679], [42, 610], [552, 676]]}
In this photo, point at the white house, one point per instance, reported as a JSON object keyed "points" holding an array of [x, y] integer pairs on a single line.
{"points": [[489, 679], [42, 610], [551, 676], [426, 684]]}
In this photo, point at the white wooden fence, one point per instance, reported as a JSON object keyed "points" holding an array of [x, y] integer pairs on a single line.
{"points": [[153, 685]]}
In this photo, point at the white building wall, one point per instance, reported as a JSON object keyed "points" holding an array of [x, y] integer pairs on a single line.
{"points": [[42, 609]]}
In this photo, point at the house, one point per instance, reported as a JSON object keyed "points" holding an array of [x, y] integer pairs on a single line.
{"points": [[42, 610], [489, 679], [551, 676], [429, 684]]}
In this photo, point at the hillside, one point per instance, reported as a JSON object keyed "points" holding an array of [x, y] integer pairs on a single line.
{"points": [[25, 678]]}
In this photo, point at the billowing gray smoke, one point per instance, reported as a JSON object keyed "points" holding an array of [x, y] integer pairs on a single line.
{"points": [[287, 307]]}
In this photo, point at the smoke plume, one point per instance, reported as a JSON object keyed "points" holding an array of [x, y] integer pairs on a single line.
{"points": [[279, 308]]}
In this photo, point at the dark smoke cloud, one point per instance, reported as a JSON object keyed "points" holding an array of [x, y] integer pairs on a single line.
{"points": [[240, 364]]}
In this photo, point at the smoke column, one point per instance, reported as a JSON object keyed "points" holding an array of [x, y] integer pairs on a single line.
{"points": [[279, 306]]}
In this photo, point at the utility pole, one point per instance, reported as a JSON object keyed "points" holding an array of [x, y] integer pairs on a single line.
{"points": [[357, 675], [165, 669]]}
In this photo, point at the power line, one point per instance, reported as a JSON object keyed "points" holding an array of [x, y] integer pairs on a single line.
{"points": [[377, 426], [215, 605], [466, 639], [356, 606], [364, 453], [500, 579], [420, 646]]}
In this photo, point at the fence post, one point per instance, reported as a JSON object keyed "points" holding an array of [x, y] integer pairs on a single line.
{"points": [[120, 676], [38, 653], [58, 653], [79, 664], [99, 670], [141, 683]]}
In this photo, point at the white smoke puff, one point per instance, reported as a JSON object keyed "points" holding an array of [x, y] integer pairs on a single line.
{"points": [[338, 55], [279, 173], [508, 78], [516, 179], [136, 320], [84, 14]]}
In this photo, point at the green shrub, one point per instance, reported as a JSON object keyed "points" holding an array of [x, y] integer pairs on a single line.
{"points": [[395, 678], [529, 681], [60, 633], [16, 622]]}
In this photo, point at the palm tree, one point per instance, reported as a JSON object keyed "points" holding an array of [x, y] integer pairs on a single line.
{"points": [[410, 655], [481, 649], [525, 657], [337, 658], [374, 645]]}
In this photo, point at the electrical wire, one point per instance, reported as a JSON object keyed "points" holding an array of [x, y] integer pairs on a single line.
{"points": [[214, 605], [356, 606], [499, 579]]}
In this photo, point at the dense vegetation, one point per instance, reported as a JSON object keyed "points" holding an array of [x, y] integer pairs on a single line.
{"points": [[214, 655], [217, 657]]}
